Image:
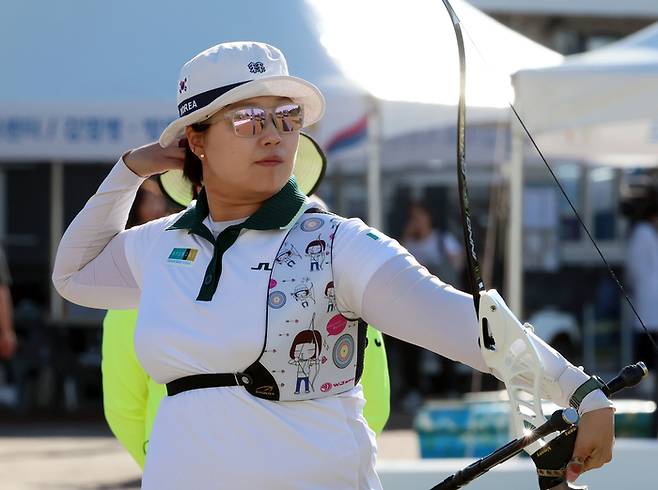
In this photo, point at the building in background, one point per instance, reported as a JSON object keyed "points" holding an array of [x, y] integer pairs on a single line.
{"points": [[572, 26], [59, 139]]}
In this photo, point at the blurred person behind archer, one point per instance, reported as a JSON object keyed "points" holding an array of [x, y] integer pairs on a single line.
{"points": [[7, 334], [640, 205], [440, 252]]}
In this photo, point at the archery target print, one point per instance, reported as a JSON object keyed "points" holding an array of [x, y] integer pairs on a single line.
{"points": [[312, 224], [277, 299], [344, 349]]}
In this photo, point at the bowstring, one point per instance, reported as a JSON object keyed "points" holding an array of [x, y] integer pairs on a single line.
{"points": [[611, 272]]}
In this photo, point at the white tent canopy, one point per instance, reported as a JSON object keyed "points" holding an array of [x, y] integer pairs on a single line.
{"points": [[600, 106], [88, 79], [407, 52]]}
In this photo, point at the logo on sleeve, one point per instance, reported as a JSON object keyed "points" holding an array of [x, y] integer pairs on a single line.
{"points": [[182, 256]]}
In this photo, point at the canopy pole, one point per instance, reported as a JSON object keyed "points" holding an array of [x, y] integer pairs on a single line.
{"points": [[374, 164], [514, 262], [56, 231]]}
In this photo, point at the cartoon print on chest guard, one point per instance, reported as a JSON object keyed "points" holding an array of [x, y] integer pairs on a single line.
{"points": [[301, 335], [305, 354], [287, 255], [304, 292], [316, 251], [331, 296], [334, 225]]}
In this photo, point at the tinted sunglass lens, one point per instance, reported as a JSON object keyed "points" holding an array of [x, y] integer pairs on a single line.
{"points": [[289, 117], [249, 121]]}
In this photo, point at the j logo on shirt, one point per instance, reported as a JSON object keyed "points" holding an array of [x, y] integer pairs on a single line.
{"points": [[262, 266]]}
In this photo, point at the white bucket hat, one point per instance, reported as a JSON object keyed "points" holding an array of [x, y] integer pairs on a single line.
{"points": [[231, 72]]}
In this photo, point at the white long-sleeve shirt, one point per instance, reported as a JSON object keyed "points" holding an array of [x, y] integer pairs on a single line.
{"points": [[225, 434]]}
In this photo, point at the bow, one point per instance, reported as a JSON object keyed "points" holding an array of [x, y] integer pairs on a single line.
{"points": [[504, 341], [506, 344]]}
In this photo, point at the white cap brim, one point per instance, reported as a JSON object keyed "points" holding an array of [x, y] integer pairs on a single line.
{"points": [[297, 89]]}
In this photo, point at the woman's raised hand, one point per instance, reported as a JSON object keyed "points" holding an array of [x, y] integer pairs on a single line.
{"points": [[152, 159]]}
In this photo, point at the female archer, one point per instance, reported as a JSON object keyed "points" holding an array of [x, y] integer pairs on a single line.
{"points": [[232, 404]]}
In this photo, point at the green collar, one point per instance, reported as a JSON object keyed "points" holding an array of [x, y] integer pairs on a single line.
{"points": [[278, 212]]}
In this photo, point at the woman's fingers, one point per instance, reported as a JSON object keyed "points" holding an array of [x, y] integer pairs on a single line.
{"points": [[597, 459], [579, 465], [594, 442], [152, 159]]}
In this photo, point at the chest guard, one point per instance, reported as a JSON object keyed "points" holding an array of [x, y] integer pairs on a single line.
{"points": [[310, 350]]}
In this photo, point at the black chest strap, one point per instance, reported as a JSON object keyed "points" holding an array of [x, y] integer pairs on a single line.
{"points": [[199, 381]]}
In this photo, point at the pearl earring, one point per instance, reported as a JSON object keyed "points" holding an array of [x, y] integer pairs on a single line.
{"points": [[202, 156]]}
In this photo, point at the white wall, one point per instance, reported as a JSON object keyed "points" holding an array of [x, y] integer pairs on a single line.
{"points": [[632, 464]]}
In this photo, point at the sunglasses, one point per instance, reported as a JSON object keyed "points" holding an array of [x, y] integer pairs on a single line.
{"points": [[250, 121]]}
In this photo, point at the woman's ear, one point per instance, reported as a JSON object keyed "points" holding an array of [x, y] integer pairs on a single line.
{"points": [[196, 141]]}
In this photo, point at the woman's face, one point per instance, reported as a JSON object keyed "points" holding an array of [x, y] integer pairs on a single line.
{"points": [[247, 168], [420, 217]]}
